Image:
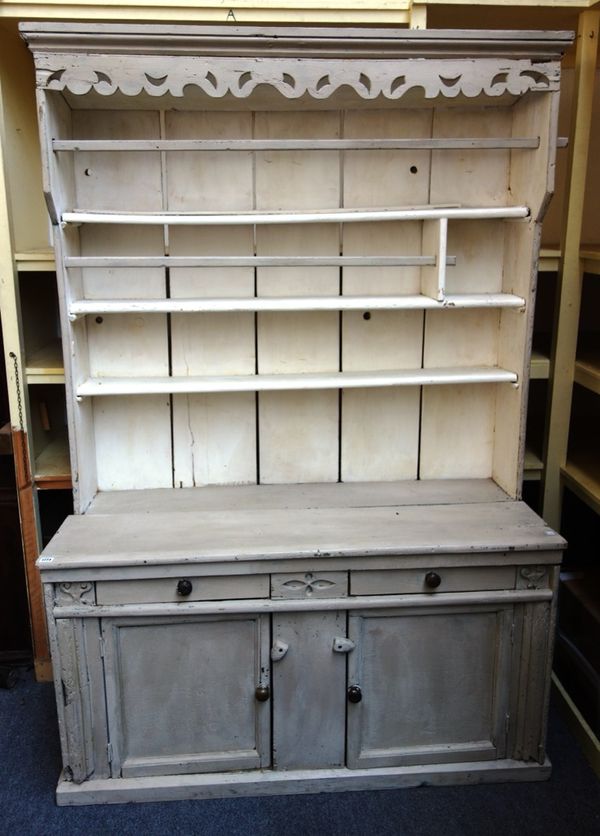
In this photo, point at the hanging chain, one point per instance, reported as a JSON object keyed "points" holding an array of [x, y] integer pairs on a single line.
{"points": [[13, 356]]}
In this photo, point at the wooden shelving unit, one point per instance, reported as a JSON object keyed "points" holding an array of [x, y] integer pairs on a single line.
{"points": [[46, 364], [27, 251]]}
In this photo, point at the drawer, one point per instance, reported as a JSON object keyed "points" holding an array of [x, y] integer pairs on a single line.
{"points": [[164, 590], [406, 581]]}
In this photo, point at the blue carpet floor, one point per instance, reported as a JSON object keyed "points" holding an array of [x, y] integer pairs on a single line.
{"points": [[567, 805]]}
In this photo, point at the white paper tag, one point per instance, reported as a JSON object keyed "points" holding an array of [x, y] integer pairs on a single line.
{"points": [[46, 560]]}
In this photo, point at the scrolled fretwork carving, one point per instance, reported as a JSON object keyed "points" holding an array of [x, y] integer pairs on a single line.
{"points": [[534, 576], [75, 592], [294, 78]]}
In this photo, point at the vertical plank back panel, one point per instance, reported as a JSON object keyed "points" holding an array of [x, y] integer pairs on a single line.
{"points": [[457, 432], [380, 427], [457, 436], [298, 431], [111, 180], [214, 436], [472, 178], [133, 447]]}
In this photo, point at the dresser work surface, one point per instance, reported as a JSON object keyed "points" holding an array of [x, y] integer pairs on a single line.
{"points": [[348, 527]]}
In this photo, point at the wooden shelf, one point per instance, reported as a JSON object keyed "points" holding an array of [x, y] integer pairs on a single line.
{"points": [[46, 365], [292, 303], [549, 259], [35, 261], [587, 370], [591, 259], [423, 213], [540, 366], [533, 467], [286, 382], [589, 254], [52, 466], [582, 475]]}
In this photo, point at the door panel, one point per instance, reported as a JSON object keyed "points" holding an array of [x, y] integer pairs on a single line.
{"points": [[181, 694], [309, 691], [434, 686]]}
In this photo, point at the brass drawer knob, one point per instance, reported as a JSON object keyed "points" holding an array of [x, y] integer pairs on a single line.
{"points": [[432, 580], [262, 693]]}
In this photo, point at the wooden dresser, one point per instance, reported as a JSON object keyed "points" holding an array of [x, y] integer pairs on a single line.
{"points": [[297, 274]]}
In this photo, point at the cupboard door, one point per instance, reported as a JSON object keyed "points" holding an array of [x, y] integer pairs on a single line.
{"points": [[435, 686], [181, 694], [309, 715]]}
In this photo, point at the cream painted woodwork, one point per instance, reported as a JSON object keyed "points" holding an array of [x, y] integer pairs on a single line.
{"points": [[296, 279]]}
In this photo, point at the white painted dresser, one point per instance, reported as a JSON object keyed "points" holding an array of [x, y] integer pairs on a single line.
{"points": [[297, 274]]}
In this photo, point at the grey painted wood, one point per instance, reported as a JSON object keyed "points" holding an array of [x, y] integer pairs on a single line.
{"points": [[419, 602], [432, 689], [227, 785], [452, 579], [309, 692], [75, 695], [536, 642], [134, 539], [181, 694], [309, 585], [299, 564], [162, 590], [266, 497], [426, 143]]}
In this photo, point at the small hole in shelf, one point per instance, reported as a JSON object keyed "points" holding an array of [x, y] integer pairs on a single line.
{"points": [[413, 169], [88, 172], [367, 315], [99, 320]]}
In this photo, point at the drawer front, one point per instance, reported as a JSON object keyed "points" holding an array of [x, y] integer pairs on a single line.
{"points": [[185, 588], [432, 580]]}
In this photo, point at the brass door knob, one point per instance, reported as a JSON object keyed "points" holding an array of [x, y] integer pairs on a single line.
{"points": [[262, 693]]}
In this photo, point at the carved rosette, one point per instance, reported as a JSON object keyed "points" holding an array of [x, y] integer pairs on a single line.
{"points": [[309, 585], [294, 78]]}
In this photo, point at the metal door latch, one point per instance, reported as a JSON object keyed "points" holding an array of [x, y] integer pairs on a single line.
{"points": [[279, 649], [343, 645]]}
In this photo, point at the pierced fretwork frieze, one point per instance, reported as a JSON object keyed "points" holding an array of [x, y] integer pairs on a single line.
{"points": [[293, 77]]}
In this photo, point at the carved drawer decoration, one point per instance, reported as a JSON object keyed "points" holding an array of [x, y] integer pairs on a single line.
{"points": [[310, 585]]}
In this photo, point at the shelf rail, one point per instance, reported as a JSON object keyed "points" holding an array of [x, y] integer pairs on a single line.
{"points": [[285, 217], [374, 144], [88, 307], [207, 384]]}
